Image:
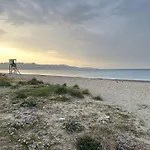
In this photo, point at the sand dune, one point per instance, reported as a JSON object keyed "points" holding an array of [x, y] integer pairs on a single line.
{"points": [[132, 96]]}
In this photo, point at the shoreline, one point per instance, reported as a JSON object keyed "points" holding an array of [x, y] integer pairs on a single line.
{"points": [[91, 78]]}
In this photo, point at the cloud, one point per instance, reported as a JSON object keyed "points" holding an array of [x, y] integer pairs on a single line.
{"points": [[46, 11], [2, 32], [99, 31]]}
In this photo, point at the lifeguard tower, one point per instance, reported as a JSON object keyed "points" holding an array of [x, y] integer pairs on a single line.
{"points": [[13, 67]]}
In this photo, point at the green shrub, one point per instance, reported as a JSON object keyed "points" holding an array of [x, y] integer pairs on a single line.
{"points": [[61, 90], [20, 95], [28, 103], [72, 126], [87, 143], [86, 92], [22, 82], [61, 99], [14, 86], [64, 84], [4, 84], [34, 81], [76, 93], [76, 86], [98, 98], [36, 92]]}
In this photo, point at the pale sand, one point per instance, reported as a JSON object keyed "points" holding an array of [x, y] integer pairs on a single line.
{"points": [[132, 96]]}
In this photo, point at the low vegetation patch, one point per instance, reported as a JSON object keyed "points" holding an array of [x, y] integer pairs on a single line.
{"points": [[50, 90], [61, 99], [76, 86], [5, 81], [64, 84], [86, 92], [61, 90], [73, 126], [76, 93], [20, 95], [99, 98], [35, 92], [34, 81], [14, 86], [29, 103], [87, 143], [4, 84]]}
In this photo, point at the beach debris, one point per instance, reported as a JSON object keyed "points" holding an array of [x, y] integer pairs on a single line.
{"points": [[142, 106], [61, 119], [103, 119]]}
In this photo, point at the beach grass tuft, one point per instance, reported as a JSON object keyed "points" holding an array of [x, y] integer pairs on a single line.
{"points": [[5, 81], [34, 81], [72, 126], [65, 84], [75, 92], [86, 92], [61, 90], [29, 103], [99, 98], [76, 86], [61, 99], [4, 84], [88, 143], [35, 92], [20, 95]]}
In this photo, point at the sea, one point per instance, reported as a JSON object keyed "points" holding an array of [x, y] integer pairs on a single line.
{"points": [[120, 74]]}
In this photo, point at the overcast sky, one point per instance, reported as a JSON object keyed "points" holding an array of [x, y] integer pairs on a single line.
{"points": [[96, 33]]}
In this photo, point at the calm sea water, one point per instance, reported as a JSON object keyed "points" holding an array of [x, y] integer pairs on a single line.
{"points": [[137, 74]]}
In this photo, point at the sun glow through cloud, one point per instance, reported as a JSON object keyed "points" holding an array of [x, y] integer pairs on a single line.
{"points": [[8, 52], [100, 33]]}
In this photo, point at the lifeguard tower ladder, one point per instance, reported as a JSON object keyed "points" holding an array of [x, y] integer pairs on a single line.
{"points": [[13, 67]]}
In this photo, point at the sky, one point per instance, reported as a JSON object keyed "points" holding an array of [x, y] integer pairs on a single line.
{"points": [[84, 33]]}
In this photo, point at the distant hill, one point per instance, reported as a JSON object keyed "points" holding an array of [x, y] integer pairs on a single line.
{"points": [[34, 66], [29, 66]]}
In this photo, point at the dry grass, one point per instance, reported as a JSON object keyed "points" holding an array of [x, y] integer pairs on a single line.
{"points": [[5, 81]]}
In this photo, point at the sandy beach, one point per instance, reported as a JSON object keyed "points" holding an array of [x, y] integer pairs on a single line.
{"points": [[132, 96], [121, 116]]}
